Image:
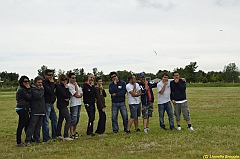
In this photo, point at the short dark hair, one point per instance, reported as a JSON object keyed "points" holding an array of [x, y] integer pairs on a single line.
{"points": [[71, 74], [98, 78], [37, 79], [47, 71], [130, 77], [112, 73], [21, 80], [174, 72], [164, 74]]}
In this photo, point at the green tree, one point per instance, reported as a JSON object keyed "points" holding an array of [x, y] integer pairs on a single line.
{"points": [[42, 70], [123, 75], [230, 73], [190, 73], [201, 76]]}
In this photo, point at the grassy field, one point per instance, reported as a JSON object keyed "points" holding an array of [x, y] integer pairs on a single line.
{"points": [[215, 113]]}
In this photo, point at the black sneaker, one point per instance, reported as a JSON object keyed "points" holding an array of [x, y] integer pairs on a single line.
{"points": [[73, 136], [127, 132], [173, 128], [137, 130], [163, 128], [77, 135], [21, 145], [92, 134]]}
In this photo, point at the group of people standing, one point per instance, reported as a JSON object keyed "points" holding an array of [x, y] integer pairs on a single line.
{"points": [[35, 104]]}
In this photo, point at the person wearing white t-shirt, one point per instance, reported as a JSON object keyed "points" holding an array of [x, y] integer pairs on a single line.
{"points": [[164, 104], [133, 91], [75, 104]]}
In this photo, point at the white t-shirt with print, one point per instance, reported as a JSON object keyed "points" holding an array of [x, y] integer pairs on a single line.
{"points": [[74, 101], [131, 99]]}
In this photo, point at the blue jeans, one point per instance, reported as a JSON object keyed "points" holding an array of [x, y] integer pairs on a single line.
{"points": [[123, 110], [75, 114], [50, 114], [161, 109], [134, 110]]}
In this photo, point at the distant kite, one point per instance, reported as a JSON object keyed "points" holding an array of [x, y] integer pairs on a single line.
{"points": [[220, 30], [155, 52]]}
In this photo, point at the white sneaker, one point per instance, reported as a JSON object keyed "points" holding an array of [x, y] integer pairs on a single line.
{"points": [[145, 130], [60, 137], [67, 138], [191, 129], [179, 128]]}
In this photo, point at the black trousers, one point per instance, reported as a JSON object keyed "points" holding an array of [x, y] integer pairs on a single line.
{"points": [[90, 108], [101, 122], [34, 128], [23, 122], [63, 114]]}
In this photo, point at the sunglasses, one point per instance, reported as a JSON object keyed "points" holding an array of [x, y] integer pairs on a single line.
{"points": [[26, 81], [73, 78], [49, 74], [64, 79], [113, 76]]}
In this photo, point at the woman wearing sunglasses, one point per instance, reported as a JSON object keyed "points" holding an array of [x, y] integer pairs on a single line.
{"points": [[63, 96], [23, 97]]}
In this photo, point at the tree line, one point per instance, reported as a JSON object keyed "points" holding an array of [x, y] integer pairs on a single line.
{"points": [[230, 74]]}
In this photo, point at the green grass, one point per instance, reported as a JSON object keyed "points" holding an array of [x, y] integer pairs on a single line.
{"points": [[214, 112]]}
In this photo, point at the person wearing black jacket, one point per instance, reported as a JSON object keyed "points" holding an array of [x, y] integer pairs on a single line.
{"points": [[37, 111], [89, 97], [179, 100], [23, 97], [49, 95], [63, 96]]}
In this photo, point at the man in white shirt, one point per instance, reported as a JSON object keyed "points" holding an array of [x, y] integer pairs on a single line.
{"points": [[133, 91], [164, 104], [75, 104]]}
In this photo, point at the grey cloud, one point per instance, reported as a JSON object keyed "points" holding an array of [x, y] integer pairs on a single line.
{"points": [[158, 5], [227, 3]]}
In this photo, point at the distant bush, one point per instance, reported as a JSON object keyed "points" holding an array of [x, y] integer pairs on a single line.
{"points": [[8, 89], [213, 85]]}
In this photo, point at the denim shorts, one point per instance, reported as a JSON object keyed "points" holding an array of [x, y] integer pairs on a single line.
{"points": [[147, 110], [75, 114], [134, 110]]}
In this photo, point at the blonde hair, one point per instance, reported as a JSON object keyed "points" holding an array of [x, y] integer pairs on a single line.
{"points": [[61, 78]]}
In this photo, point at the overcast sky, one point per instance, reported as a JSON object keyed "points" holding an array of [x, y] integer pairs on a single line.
{"points": [[118, 35]]}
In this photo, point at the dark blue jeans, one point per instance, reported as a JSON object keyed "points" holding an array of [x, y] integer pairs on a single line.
{"points": [[50, 114], [123, 110], [168, 108]]}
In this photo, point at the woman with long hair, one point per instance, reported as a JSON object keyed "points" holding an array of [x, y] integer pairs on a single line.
{"points": [[63, 96]]}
